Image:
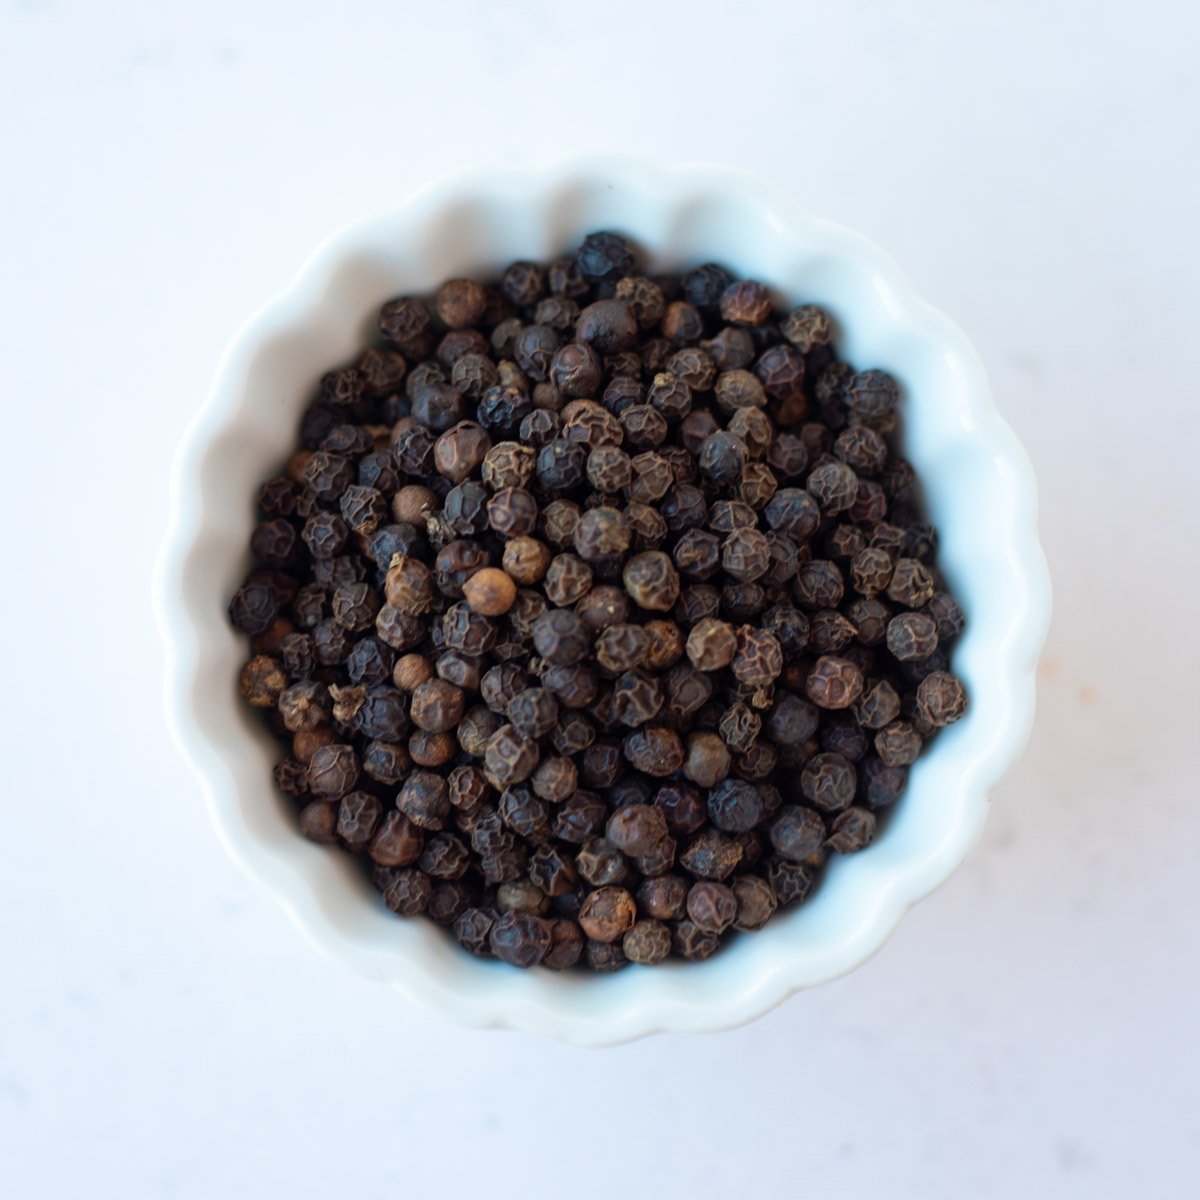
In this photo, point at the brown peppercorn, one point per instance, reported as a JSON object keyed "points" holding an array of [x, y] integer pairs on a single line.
{"points": [[834, 682], [508, 465], [400, 630], [711, 855], [358, 816], [558, 522], [525, 560], [708, 761], [411, 670], [512, 512], [898, 744], [332, 771], [755, 429], [459, 452], [756, 902], [308, 741], [467, 631], [476, 730], [666, 644], [318, 821], [740, 726], [490, 592], [636, 829], [745, 303], [807, 328], [650, 478], [659, 860], [262, 681], [460, 303], [739, 390], [601, 533], [912, 636], [603, 957], [510, 757], [663, 898], [409, 586], [852, 830], [566, 944], [608, 469], [759, 657], [468, 789], [682, 322], [711, 644], [654, 750], [621, 647], [711, 906], [555, 779], [607, 914], [941, 699], [647, 942], [424, 798], [637, 698], [599, 862], [686, 690], [647, 525], [552, 870], [568, 579], [397, 842], [912, 584], [522, 895], [304, 705], [697, 554], [691, 942], [683, 806], [870, 571], [573, 686], [437, 706], [758, 485], [430, 749], [781, 369], [651, 580], [603, 607], [590, 424], [745, 555]]}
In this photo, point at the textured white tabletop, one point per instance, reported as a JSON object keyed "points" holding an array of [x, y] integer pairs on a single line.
{"points": [[1029, 1031]]}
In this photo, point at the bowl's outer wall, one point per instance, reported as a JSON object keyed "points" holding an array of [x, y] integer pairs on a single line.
{"points": [[979, 492]]}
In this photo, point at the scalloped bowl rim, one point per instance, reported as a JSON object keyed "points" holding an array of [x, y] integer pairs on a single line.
{"points": [[966, 451]]}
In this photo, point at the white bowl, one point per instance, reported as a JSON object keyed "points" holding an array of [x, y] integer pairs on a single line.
{"points": [[978, 486]]}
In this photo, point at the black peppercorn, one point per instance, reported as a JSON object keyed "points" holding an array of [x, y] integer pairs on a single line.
{"points": [[797, 832]]}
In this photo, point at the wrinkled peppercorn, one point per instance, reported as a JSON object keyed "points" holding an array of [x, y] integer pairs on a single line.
{"points": [[852, 830]]}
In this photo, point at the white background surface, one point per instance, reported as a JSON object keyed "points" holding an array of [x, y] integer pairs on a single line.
{"points": [[1029, 1031]]}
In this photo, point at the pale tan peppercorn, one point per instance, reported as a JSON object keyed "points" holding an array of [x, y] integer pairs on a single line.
{"points": [[411, 671], [490, 592], [412, 503], [607, 914]]}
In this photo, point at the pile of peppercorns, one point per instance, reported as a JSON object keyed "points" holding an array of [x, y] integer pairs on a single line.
{"points": [[595, 610]]}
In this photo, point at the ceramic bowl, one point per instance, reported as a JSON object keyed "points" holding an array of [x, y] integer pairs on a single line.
{"points": [[978, 488]]}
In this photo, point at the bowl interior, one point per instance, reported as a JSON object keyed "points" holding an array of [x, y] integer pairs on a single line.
{"points": [[975, 489]]}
